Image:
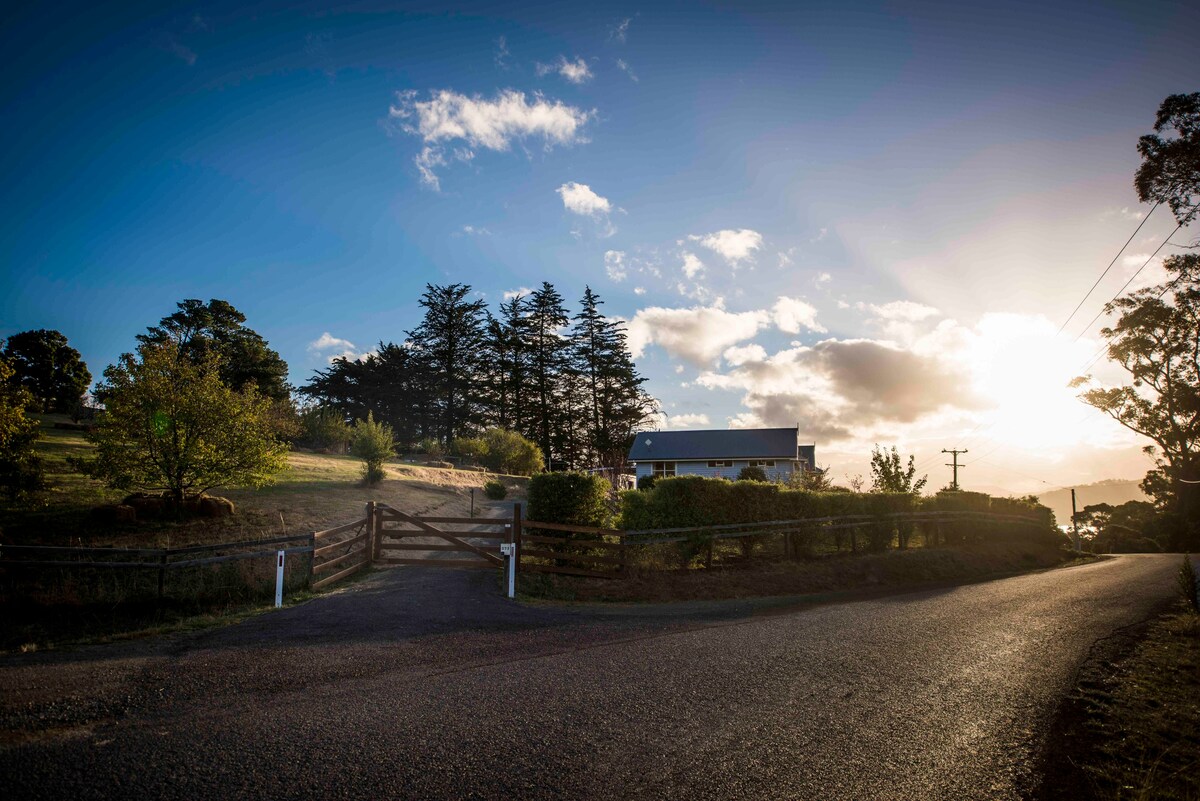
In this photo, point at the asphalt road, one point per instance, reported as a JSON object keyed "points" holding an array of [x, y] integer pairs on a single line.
{"points": [[425, 683]]}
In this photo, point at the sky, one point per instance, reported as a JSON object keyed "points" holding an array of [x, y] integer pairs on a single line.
{"points": [[866, 219]]}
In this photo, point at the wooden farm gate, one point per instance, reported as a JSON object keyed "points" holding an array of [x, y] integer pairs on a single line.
{"points": [[471, 542]]}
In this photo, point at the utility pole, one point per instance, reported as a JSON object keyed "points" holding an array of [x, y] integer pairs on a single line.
{"points": [[1074, 521], [954, 483]]}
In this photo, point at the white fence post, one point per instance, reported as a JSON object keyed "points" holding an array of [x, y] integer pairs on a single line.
{"points": [[509, 549], [279, 580]]}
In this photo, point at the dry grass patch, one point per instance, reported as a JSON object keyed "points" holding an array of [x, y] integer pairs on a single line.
{"points": [[1131, 728], [317, 491]]}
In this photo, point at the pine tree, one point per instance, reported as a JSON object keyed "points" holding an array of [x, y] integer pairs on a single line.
{"points": [[614, 401], [450, 340], [508, 357], [549, 362]]}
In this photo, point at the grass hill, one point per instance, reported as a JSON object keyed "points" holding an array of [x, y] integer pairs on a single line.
{"points": [[317, 491]]}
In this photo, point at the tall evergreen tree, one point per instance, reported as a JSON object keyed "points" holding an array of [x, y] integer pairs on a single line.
{"points": [[549, 362], [508, 361], [391, 385], [615, 403], [450, 340]]}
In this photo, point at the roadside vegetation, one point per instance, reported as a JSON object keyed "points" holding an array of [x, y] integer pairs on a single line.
{"points": [[1131, 727]]}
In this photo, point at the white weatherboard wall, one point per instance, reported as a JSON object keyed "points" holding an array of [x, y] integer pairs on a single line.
{"points": [[783, 468]]}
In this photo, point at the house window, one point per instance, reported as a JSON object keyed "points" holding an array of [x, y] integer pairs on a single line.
{"points": [[720, 463], [663, 469], [761, 463]]}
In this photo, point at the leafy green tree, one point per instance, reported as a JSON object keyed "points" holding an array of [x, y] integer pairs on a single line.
{"points": [[53, 372], [752, 474], [1170, 169], [889, 475], [549, 368], [373, 443], [1156, 340], [20, 467], [171, 424], [201, 331]]}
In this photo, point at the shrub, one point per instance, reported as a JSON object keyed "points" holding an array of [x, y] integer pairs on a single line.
{"points": [[578, 499], [373, 444], [325, 430], [495, 490], [693, 501], [1187, 584], [431, 446], [752, 474], [509, 452], [646, 482], [470, 448]]}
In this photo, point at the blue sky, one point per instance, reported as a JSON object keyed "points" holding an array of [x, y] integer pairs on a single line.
{"points": [[866, 218]]}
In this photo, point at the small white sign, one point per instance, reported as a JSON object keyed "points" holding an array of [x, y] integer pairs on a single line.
{"points": [[507, 548]]}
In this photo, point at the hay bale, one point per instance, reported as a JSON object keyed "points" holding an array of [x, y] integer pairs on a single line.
{"points": [[215, 506], [114, 513], [147, 507]]}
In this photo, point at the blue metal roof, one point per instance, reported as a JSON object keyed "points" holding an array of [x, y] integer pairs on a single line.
{"points": [[741, 443]]}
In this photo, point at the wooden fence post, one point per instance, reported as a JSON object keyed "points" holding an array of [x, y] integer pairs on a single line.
{"points": [[312, 560], [162, 574], [371, 550]]}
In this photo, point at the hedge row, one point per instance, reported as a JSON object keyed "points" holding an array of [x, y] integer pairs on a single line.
{"points": [[687, 501]]}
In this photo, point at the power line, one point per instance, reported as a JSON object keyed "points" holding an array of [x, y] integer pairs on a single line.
{"points": [[1106, 269], [1079, 305], [1127, 283], [1104, 349]]}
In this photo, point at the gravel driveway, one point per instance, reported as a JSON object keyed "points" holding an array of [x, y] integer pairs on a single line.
{"points": [[426, 683]]}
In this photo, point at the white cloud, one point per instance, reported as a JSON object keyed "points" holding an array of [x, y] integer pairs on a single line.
{"points": [[614, 265], [501, 53], [822, 279], [824, 232], [792, 314], [471, 230], [740, 354], [624, 67], [902, 311], [697, 335], [639, 290], [621, 30], [902, 321], [692, 266], [734, 246], [494, 124], [837, 386], [576, 71], [512, 293], [680, 421], [785, 257], [580, 199], [329, 347]]}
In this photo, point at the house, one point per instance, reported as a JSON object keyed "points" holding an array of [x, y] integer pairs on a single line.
{"points": [[721, 454]]}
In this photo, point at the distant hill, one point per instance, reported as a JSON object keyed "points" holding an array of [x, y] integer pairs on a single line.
{"points": [[1114, 490]]}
